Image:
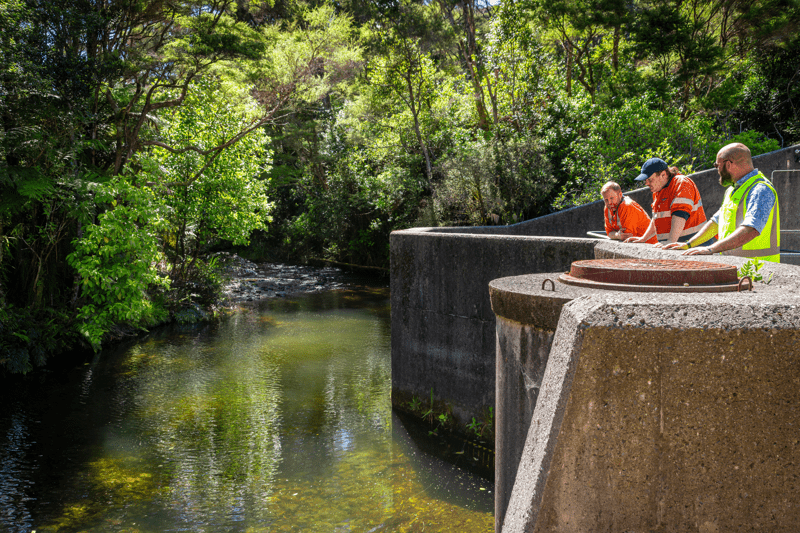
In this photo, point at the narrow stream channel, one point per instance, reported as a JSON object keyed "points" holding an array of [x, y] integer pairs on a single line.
{"points": [[277, 418]]}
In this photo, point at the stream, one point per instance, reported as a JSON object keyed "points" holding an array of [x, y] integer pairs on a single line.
{"points": [[276, 417]]}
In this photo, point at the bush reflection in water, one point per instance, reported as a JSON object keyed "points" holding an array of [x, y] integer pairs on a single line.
{"points": [[276, 419]]}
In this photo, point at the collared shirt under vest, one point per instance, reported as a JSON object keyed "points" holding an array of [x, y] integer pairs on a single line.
{"points": [[766, 246], [679, 195]]}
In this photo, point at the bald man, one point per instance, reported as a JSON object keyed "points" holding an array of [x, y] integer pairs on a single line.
{"points": [[748, 223], [624, 217]]}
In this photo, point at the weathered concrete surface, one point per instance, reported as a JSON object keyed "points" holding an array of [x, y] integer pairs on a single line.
{"points": [[525, 328], [661, 412], [443, 327], [790, 239], [526, 323]]}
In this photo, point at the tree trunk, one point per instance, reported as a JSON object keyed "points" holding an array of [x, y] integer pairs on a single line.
{"points": [[568, 50]]}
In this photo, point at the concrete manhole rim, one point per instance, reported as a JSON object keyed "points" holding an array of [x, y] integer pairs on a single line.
{"points": [[653, 264], [569, 280], [652, 275]]}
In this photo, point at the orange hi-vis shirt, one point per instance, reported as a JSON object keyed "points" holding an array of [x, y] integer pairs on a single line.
{"points": [[629, 215], [680, 194]]}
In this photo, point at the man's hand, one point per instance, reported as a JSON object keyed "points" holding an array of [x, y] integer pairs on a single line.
{"points": [[623, 234], [700, 250], [633, 239], [676, 246]]}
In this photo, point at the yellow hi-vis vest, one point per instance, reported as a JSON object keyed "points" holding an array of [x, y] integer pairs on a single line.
{"points": [[767, 245]]}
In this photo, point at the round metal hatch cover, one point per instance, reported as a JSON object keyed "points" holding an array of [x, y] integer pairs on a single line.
{"points": [[652, 275]]}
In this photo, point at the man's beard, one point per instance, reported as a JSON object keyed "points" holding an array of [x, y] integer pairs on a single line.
{"points": [[725, 178]]}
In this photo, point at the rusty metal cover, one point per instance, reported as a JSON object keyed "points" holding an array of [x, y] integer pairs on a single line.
{"points": [[652, 275]]}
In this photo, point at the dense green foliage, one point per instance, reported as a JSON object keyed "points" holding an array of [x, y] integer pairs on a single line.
{"points": [[139, 136]]}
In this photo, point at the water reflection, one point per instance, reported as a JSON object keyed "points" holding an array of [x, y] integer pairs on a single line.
{"points": [[276, 419], [15, 484]]}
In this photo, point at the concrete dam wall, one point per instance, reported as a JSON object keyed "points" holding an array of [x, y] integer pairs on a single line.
{"points": [[607, 445], [443, 327]]}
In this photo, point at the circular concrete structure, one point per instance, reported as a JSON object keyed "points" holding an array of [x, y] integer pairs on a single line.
{"points": [[640, 409]]}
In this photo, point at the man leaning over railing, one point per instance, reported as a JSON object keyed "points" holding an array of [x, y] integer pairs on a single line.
{"points": [[677, 207], [748, 223], [624, 217]]}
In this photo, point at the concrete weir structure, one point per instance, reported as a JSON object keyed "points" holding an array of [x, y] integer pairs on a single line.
{"points": [[650, 412], [639, 411], [443, 327]]}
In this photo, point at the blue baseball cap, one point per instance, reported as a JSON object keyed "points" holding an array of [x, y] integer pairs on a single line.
{"points": [[651, 166]]}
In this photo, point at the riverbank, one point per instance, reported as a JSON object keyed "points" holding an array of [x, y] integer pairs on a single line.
{"points": [[247, 281], [243, 282]]}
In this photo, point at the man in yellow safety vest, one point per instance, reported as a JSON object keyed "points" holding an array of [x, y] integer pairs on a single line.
{"points": [[748, 223]]}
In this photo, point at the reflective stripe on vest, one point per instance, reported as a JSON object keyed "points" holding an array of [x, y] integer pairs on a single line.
{"points": [[663, 209], [625, 200], [686, 231], [691, 204], [766, 245]]}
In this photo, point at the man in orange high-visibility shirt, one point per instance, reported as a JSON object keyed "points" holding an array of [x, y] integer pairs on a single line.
{"points": [[624, 217], [677, 208]]}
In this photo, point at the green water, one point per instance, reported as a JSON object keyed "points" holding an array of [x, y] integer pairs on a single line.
{"points": [[275, 419]]}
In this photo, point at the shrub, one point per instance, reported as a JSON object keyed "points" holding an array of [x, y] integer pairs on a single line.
{"points": [[500, 181], [28, 338], [117, 262]]}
